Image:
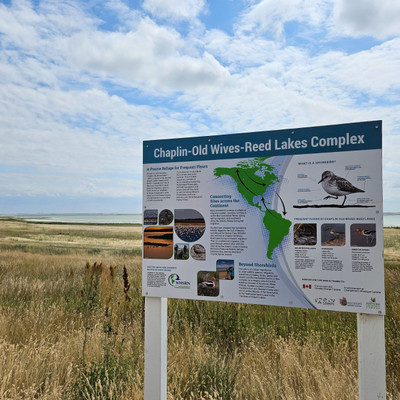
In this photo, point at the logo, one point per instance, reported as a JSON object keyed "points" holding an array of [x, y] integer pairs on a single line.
{"points": [[177, 283], [344, 302], [325, 301], [172, 279], [306, 286], [373, 305]]}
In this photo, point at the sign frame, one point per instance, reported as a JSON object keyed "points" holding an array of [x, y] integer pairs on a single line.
{"points": [[370, 327], [267, 170]]}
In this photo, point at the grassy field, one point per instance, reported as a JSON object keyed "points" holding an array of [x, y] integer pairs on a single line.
{"points": [[71, 327]]}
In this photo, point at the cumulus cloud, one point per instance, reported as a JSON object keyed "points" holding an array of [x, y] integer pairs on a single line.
{"points": [[241, 51], [75, 143], [151, 56], [355, 18], [127, 17], [271, 16], [376, 18], [175, 9]]}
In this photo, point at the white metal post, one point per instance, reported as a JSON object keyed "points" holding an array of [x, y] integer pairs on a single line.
{"points": [[155, 348], [371, 357]]}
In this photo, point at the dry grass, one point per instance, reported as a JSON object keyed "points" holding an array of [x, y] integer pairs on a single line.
{"points": [[392, 244], [71, 327], [66, 239], [66, 329]]}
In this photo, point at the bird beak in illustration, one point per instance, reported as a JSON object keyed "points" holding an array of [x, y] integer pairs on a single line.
{"points": [[320, 180]]}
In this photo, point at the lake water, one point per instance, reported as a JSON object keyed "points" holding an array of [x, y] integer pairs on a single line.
{"points": [[388, 219], [86, 218], [391, 220]]}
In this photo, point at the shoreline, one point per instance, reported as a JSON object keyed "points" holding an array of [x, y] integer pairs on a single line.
{"points": [[18, 219]]}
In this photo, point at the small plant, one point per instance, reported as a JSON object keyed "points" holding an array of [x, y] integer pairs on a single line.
{"points": [[127, 285], [90, 294]]}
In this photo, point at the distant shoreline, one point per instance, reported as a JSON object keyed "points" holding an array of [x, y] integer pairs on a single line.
{"points": [[77, 219], [103, 219]]}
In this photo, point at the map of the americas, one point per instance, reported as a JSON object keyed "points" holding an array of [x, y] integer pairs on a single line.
{"points": [[253, 178]]}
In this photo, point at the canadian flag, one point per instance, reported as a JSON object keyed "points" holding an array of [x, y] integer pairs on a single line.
{"points": [[306, 286]]}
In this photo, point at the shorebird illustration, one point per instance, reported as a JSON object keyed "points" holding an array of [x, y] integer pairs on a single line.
{"points": [[368, 234], [336, 186]]}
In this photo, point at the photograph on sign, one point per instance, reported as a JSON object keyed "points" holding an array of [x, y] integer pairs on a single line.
{"points": [[288, 218]]}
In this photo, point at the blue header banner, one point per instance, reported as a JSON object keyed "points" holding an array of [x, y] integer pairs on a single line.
{"points": [[320, 139]]}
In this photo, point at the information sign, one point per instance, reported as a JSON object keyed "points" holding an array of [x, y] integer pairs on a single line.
{"points": [[289, 218]]}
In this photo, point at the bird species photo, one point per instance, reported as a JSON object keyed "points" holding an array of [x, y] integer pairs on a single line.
{"points": [[166, 217], [198, 252], [363, 235], [207, 283], [333, 234], [305, 234], [337, 186]]}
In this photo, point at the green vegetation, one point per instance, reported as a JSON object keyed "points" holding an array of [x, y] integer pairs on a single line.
{"points": [[71, 327]]}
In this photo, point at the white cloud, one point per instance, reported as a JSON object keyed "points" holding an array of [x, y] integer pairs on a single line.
{"points": [[376, 18], [17, 25], [240, 51], [127, 16], [77, 143], [355, 18], [30, 29], [67, 185], [271, 15], [345, 77], [86, 131], [175, 9], [152, 56]]}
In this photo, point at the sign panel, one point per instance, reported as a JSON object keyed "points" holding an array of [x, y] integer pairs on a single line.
{"points": [[289, 218]]}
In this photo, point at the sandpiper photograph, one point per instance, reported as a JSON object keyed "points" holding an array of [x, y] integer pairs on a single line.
{"points": [[158, 242], [207, 283], [363, 235], [189, 225], [333, 234], [305, 234], [198, 252]]}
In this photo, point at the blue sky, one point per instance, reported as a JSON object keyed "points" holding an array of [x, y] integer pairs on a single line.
{"points": [[83, 83]]}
